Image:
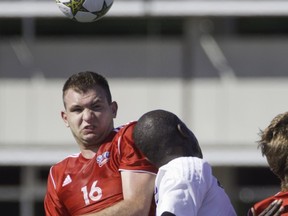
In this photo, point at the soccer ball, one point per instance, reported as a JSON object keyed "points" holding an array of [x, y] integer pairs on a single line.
{"points": [[84, 10]]}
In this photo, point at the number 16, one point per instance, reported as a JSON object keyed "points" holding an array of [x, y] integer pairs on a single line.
{"points": [[93, 190]]}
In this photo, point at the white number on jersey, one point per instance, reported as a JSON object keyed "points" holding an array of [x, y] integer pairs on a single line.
{"points": [[94, 194]]}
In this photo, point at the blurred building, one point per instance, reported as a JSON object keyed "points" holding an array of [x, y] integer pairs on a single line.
{"points": [[220, 65]]}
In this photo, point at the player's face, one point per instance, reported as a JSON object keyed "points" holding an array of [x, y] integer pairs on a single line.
{"points": [[89, 116]]}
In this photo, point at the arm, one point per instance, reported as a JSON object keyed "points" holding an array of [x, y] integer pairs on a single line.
{"points": [[137, 196]]}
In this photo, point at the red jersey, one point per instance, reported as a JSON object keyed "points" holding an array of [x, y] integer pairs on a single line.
{"points": [[77, 185], [260, 206]]}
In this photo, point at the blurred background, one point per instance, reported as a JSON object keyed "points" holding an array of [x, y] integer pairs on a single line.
{"points": [[221, 66]]}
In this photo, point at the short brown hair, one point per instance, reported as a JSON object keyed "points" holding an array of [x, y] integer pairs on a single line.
{"points": [[84, 81]]}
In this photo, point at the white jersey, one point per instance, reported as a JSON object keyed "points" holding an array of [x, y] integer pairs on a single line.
{"points": [[186, 187]]}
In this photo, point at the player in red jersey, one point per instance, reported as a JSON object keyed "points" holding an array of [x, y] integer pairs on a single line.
{"points": [[110, 175], [274, 146]]}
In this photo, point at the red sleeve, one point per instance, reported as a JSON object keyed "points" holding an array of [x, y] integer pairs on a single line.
{"points": [[131, 158], [52, 204]]}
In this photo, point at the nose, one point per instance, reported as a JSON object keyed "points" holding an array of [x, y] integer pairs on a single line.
{"points": [[88, 115]]}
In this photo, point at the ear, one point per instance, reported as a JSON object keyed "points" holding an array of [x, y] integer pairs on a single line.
{"points": [[64, 117], [114, 107], [181, 130]]}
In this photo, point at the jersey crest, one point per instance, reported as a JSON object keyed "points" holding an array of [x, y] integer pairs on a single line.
{"points": [[103, 158]]}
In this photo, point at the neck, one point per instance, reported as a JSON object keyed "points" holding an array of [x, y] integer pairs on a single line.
{"points": [[89, 151], [88, 154]]}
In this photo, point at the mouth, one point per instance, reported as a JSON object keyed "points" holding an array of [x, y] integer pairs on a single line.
{"points": [[89, 129]]}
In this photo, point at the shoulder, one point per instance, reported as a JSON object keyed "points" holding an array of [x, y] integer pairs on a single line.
{"points": [[67, 160], [126, 128], [261, 205], [188, 170], [125, 132], [66, 163], [58, 171], [188, 165]]}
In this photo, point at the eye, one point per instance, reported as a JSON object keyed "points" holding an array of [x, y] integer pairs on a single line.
{"points": [[96, 107], [76, 109]]}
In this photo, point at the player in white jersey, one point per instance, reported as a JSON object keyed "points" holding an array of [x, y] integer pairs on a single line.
{"points": [[184, 184]]}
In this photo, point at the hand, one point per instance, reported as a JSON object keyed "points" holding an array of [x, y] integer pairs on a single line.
{"points": [[167, 214], [274, 209]]}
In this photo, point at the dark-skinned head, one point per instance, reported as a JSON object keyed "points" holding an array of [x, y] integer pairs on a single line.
{"points": [[162, 136]]}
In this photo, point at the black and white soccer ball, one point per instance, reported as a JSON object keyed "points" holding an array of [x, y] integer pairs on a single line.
{"points": [[84, 10]]}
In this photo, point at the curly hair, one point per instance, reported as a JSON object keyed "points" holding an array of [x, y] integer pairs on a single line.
{"points": [[274, 145]]}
